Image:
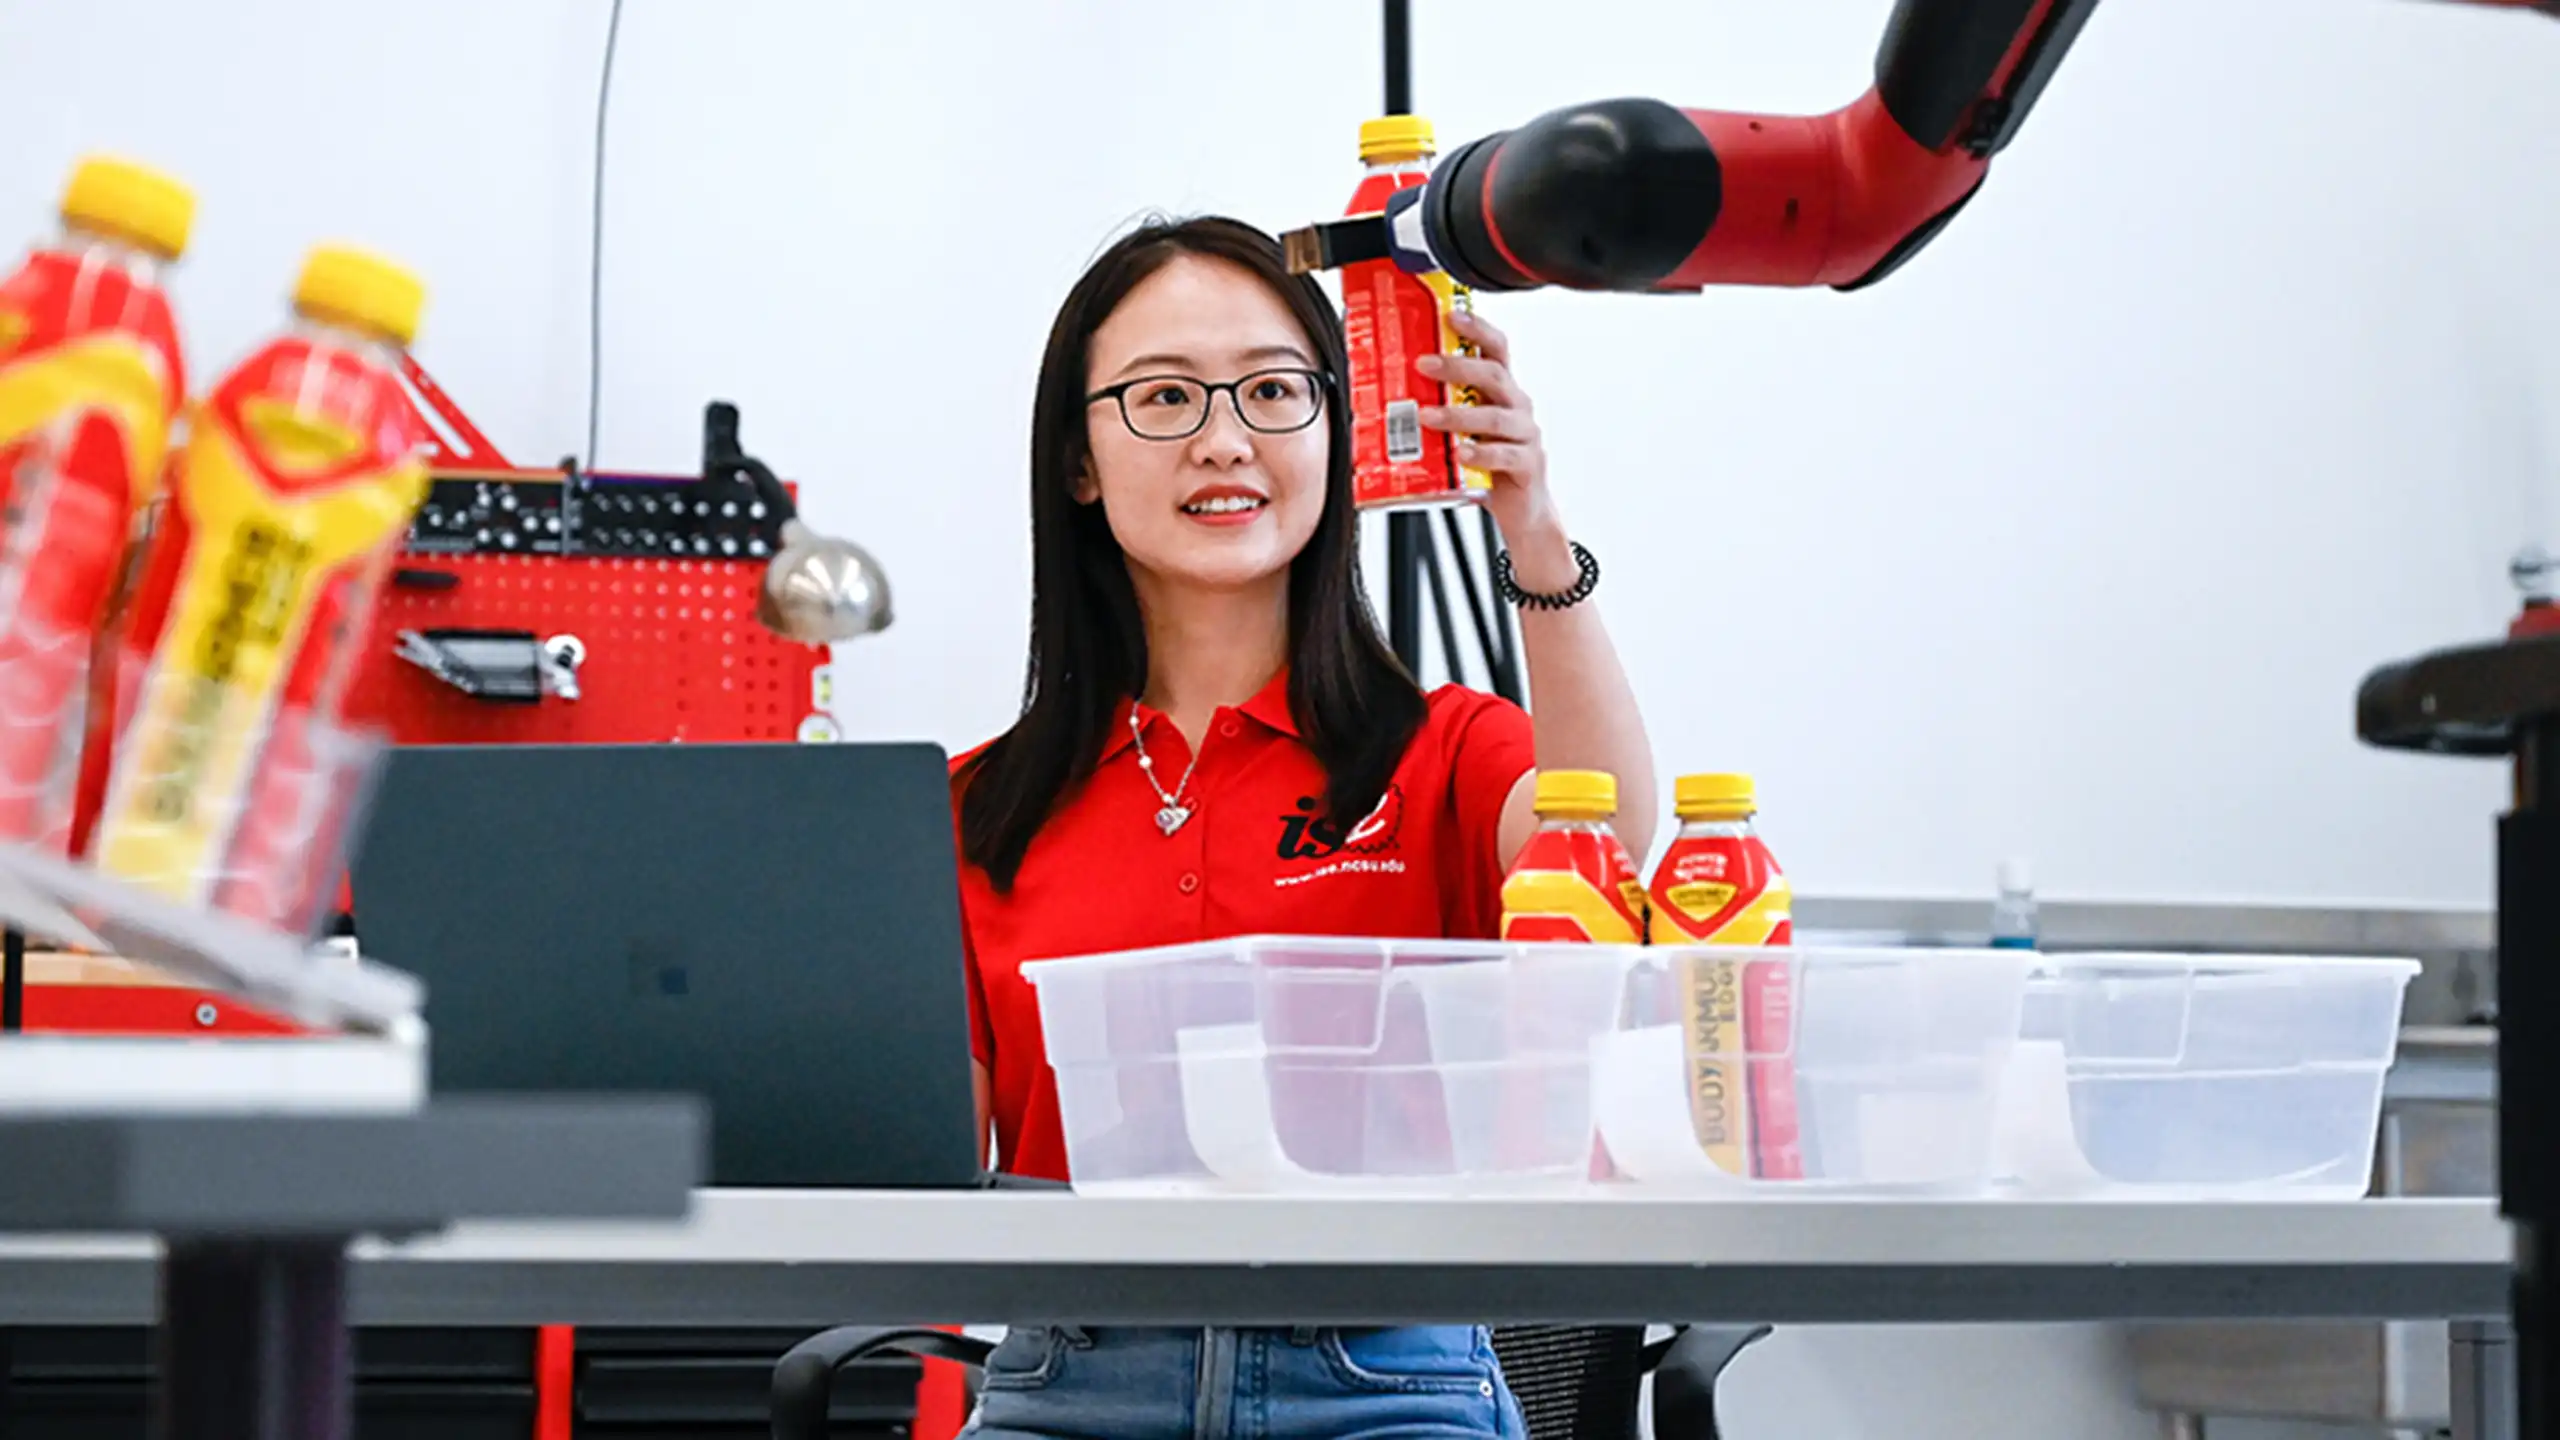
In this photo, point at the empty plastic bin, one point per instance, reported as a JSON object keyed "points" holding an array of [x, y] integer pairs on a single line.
{"points": [[1809, 1069], [1273, 1063], [2201, 1076]]}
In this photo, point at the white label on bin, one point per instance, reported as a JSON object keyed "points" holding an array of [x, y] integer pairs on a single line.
{"points": [[1640, 1095], [1226, 1103]]}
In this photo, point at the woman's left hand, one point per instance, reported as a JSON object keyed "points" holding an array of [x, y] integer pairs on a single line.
{"points": [[1498, 434]]}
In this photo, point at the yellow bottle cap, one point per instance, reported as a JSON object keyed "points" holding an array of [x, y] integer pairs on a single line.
{"points": [[130, 202], [1709, 797], [1578, 793], [1396, 137], [361, 291]]}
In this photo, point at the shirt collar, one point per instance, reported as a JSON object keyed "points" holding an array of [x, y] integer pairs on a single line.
{"points": [[1268, 706]]}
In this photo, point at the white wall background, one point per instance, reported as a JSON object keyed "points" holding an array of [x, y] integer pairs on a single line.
{"points": [[2072, 540]]}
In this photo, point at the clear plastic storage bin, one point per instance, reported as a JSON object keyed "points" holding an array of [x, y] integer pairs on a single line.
{"points": [[1302, 1064], [225, 884], [2201, 1076], [1809, 1069]]}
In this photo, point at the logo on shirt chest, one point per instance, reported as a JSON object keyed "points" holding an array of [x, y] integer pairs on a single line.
{"points": [[1308, 835]]}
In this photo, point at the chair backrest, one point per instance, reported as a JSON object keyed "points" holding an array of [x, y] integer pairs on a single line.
{"points": [[1574, 1382]]}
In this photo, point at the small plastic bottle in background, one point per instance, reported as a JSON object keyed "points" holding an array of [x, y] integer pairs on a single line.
{"points": [[1719, 886], [2013, 915], [1574, 881]]}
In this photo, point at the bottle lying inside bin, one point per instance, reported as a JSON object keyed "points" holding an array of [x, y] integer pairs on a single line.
{"points": [[302, 471], [1574, 881], [91, 379], [1718, 886]]}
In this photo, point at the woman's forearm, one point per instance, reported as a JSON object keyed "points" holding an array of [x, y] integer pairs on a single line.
{"points": [[1582, 708]]}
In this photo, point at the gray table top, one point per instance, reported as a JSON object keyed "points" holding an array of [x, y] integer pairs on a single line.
{"points": [[779, 1258], [588, 1158]]}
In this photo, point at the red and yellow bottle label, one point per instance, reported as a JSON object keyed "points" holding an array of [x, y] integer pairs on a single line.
{"points": [[1574, 885], [90, 380], [1726, 890], [1721, 890], [301, 475], [1390, 320]]}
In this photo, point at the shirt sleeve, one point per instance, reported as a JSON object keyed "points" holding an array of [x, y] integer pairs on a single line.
{"points": [[1491, 745]]}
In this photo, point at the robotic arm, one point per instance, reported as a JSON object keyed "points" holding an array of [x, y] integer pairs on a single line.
{"points": [[1638, 195]]}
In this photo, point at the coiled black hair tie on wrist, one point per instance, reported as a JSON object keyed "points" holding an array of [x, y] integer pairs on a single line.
{"points": [[1509, 588]]}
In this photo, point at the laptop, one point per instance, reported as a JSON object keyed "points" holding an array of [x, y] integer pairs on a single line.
{"points": [[773, 927]]}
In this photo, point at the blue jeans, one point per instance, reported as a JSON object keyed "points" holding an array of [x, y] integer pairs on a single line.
{"points": [[1065, 1382]]}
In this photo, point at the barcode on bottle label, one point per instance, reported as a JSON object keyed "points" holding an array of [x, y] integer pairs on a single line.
{"points": [[1404, 431]]}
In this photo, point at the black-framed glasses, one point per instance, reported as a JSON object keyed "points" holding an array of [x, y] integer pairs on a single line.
{"points": [[1174, 407]]}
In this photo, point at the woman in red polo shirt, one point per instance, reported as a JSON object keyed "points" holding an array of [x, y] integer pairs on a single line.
{"points": [[1216, 741]]}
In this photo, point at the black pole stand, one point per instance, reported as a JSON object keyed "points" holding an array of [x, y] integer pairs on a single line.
{"points": [[2504, 700], [13, 1017], [13, 982], [1408, 543], [1413, 560]]}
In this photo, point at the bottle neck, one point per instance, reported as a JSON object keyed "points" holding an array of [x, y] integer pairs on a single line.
{"points": [[98, 247], [321, 331], [1715, 827], [1579, 822], [1400, 165]]}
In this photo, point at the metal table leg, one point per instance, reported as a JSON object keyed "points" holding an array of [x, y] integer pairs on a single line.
{"points": [[2484, 1380], [253, 1340]]}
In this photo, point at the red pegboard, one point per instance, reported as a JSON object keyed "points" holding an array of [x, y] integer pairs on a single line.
{"points": [[673, 652]]}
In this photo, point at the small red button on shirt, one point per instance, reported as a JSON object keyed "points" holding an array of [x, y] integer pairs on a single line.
{"points": [[1255, 858]]}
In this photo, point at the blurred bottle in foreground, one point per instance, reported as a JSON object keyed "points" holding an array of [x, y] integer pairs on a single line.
{"points": [[302, 469], [91, 381]]}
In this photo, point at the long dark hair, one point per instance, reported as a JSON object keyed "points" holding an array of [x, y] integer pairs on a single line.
{"points": [[1355, 704]]}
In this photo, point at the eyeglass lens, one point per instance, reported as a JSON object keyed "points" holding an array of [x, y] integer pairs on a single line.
{"points": [[1171, 407]]}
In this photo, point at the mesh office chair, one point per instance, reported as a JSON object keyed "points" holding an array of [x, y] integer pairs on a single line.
{"points": [[1574, 1382]]}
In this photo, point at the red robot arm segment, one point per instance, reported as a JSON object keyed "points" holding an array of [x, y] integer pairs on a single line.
{"points": [[1636, 195]]}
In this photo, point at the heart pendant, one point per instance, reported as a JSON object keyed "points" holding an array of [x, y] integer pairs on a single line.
{"points": [[1170, 818]]}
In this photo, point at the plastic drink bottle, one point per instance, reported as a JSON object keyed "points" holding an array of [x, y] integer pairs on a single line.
{"points": [[91, 379], [2013, 915], [302, 471], [1718, 885], [1390, 320], [1574, 881]]}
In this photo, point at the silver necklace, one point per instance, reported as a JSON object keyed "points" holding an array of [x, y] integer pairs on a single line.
{"points": [[1170, 818]]}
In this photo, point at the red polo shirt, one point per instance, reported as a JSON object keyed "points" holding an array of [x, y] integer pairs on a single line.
{"points": [[1101, 876]]}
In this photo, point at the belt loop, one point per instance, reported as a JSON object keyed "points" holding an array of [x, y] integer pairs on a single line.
{"points": [[1303, 1335], [1077, 1336]]}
